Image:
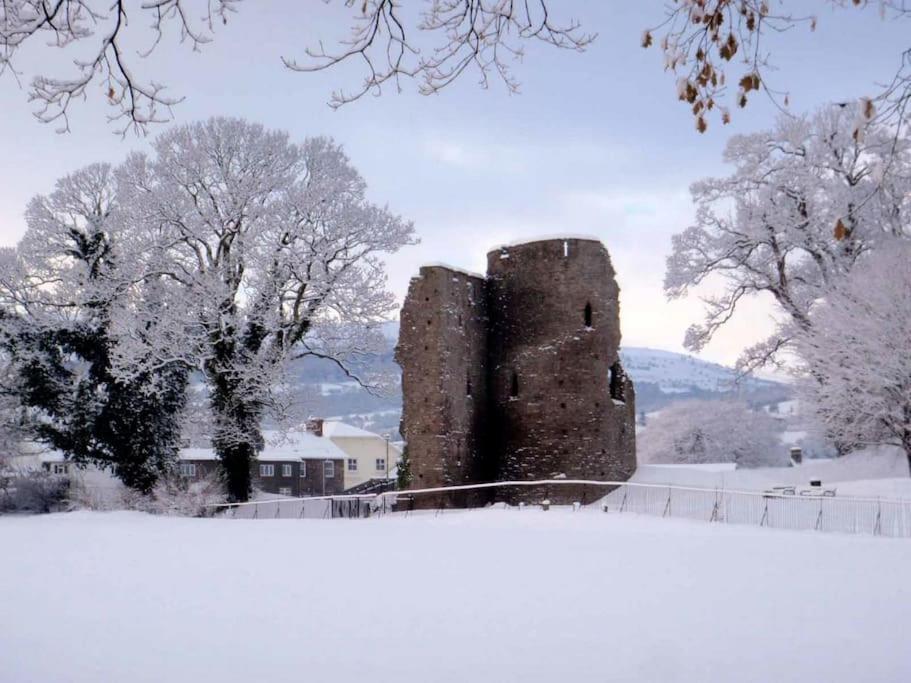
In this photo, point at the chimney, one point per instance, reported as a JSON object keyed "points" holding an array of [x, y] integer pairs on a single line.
{"points": [[315, 426]]}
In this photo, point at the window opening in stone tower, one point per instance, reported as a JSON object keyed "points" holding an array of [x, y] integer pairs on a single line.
{"points": [[468, 386], [588, 314], [514, 386], [565, 248], [616, 382]]}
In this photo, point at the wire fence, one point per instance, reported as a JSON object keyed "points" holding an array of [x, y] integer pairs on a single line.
{"points": [[790, 508]]}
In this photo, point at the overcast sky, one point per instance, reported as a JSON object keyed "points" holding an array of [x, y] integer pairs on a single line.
{"points": [[596, 143]]}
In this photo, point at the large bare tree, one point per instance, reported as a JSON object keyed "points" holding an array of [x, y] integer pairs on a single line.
{"points": [[806, 200], [275, 253]]}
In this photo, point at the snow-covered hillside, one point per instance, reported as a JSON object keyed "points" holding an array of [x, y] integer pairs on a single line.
{"points": [[492, 596], [660, 377], [676, 373]]}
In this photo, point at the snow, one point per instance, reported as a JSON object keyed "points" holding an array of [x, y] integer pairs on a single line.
{"points": [[335, 429], [544, 238], [875, 466], [492, 595], [677, 373], [291, 446], [333, 388]]}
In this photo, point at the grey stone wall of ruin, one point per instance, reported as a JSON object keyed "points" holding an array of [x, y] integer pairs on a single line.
{"points": [[516, 376], [555, 338], [443, 353]]}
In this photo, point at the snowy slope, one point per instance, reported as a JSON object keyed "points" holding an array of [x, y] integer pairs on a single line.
{"points": [[660, 377], [487, 595], [676, 373]]}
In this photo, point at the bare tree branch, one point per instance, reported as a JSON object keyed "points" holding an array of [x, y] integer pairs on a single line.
{"points": [[481, 34]]}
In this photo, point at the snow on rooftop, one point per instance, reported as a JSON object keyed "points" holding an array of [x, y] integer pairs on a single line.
{"points": [[338, 429], [290, 446], [544, 238]]}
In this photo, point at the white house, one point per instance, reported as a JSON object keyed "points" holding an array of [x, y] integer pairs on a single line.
{"points": [[367, 455]]}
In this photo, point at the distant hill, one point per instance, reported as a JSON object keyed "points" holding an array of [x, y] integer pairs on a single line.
{"points": [[660, 377]]}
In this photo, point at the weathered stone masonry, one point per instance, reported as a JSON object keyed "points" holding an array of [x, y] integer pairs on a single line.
{"points": [[516, 376]]}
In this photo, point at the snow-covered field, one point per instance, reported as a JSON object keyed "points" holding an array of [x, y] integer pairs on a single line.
{"points": [[492, 595]]}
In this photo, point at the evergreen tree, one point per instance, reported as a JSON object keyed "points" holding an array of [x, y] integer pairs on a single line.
{"points": [[59, 340]]}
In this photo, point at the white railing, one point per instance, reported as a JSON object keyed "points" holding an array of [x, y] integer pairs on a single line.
{"points": [[777, 510]]}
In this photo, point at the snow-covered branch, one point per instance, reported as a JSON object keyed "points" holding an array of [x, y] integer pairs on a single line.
{"points": [[806, 200]]}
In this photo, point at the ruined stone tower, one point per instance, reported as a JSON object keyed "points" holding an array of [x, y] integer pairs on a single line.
{"points": [[516, 376]]}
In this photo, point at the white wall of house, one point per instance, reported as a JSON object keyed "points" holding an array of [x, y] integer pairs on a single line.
{"points": [[367, 455]]}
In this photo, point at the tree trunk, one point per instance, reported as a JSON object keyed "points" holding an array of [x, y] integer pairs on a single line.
{"points": [[237, 464]]}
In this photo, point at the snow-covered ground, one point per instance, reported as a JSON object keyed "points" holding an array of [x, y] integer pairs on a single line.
{"points": [[492, 595], [873, 472]]}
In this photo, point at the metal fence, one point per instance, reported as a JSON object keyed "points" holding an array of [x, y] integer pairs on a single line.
{"points": [[779, 509]]}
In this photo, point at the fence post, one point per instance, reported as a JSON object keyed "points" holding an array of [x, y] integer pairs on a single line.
{"points": [[877, 525], [667, 505], [819, 517], [623, 502], [255, 511], [278, 509], [714, 517], [765, 512]]}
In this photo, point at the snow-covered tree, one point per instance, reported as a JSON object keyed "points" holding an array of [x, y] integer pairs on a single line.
{"points": [[273, 251], [856, 358], [700, 431], [59, 291], [807, 199]]}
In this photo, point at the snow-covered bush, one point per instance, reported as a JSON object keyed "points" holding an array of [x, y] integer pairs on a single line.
{"points": [[175, 495], [34, 492], [711, 432]]}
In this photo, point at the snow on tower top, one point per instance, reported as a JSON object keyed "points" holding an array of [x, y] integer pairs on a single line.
{"points": [[544, 238]]}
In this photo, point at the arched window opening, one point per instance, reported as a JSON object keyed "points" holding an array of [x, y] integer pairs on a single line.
{"points": [[588, 315], [617, 379], [468, 386], [514, 386]]}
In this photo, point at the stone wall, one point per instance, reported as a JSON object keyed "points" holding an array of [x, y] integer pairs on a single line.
{"points": [[555, 334], [516, 376], [443, 353]]}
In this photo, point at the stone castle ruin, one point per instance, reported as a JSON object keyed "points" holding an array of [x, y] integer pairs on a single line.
{"points": [[516, 375]]}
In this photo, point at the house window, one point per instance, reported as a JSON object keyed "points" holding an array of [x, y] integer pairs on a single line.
{"points": [[284, 491], [60, 468], [329, 469], [381, 464], [187, 469], [352, 464], [303, 468], [267, 470], [287, 470]]}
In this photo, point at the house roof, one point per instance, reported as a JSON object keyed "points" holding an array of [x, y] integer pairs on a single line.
{"points": [[290, 446], [336, 429]]}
